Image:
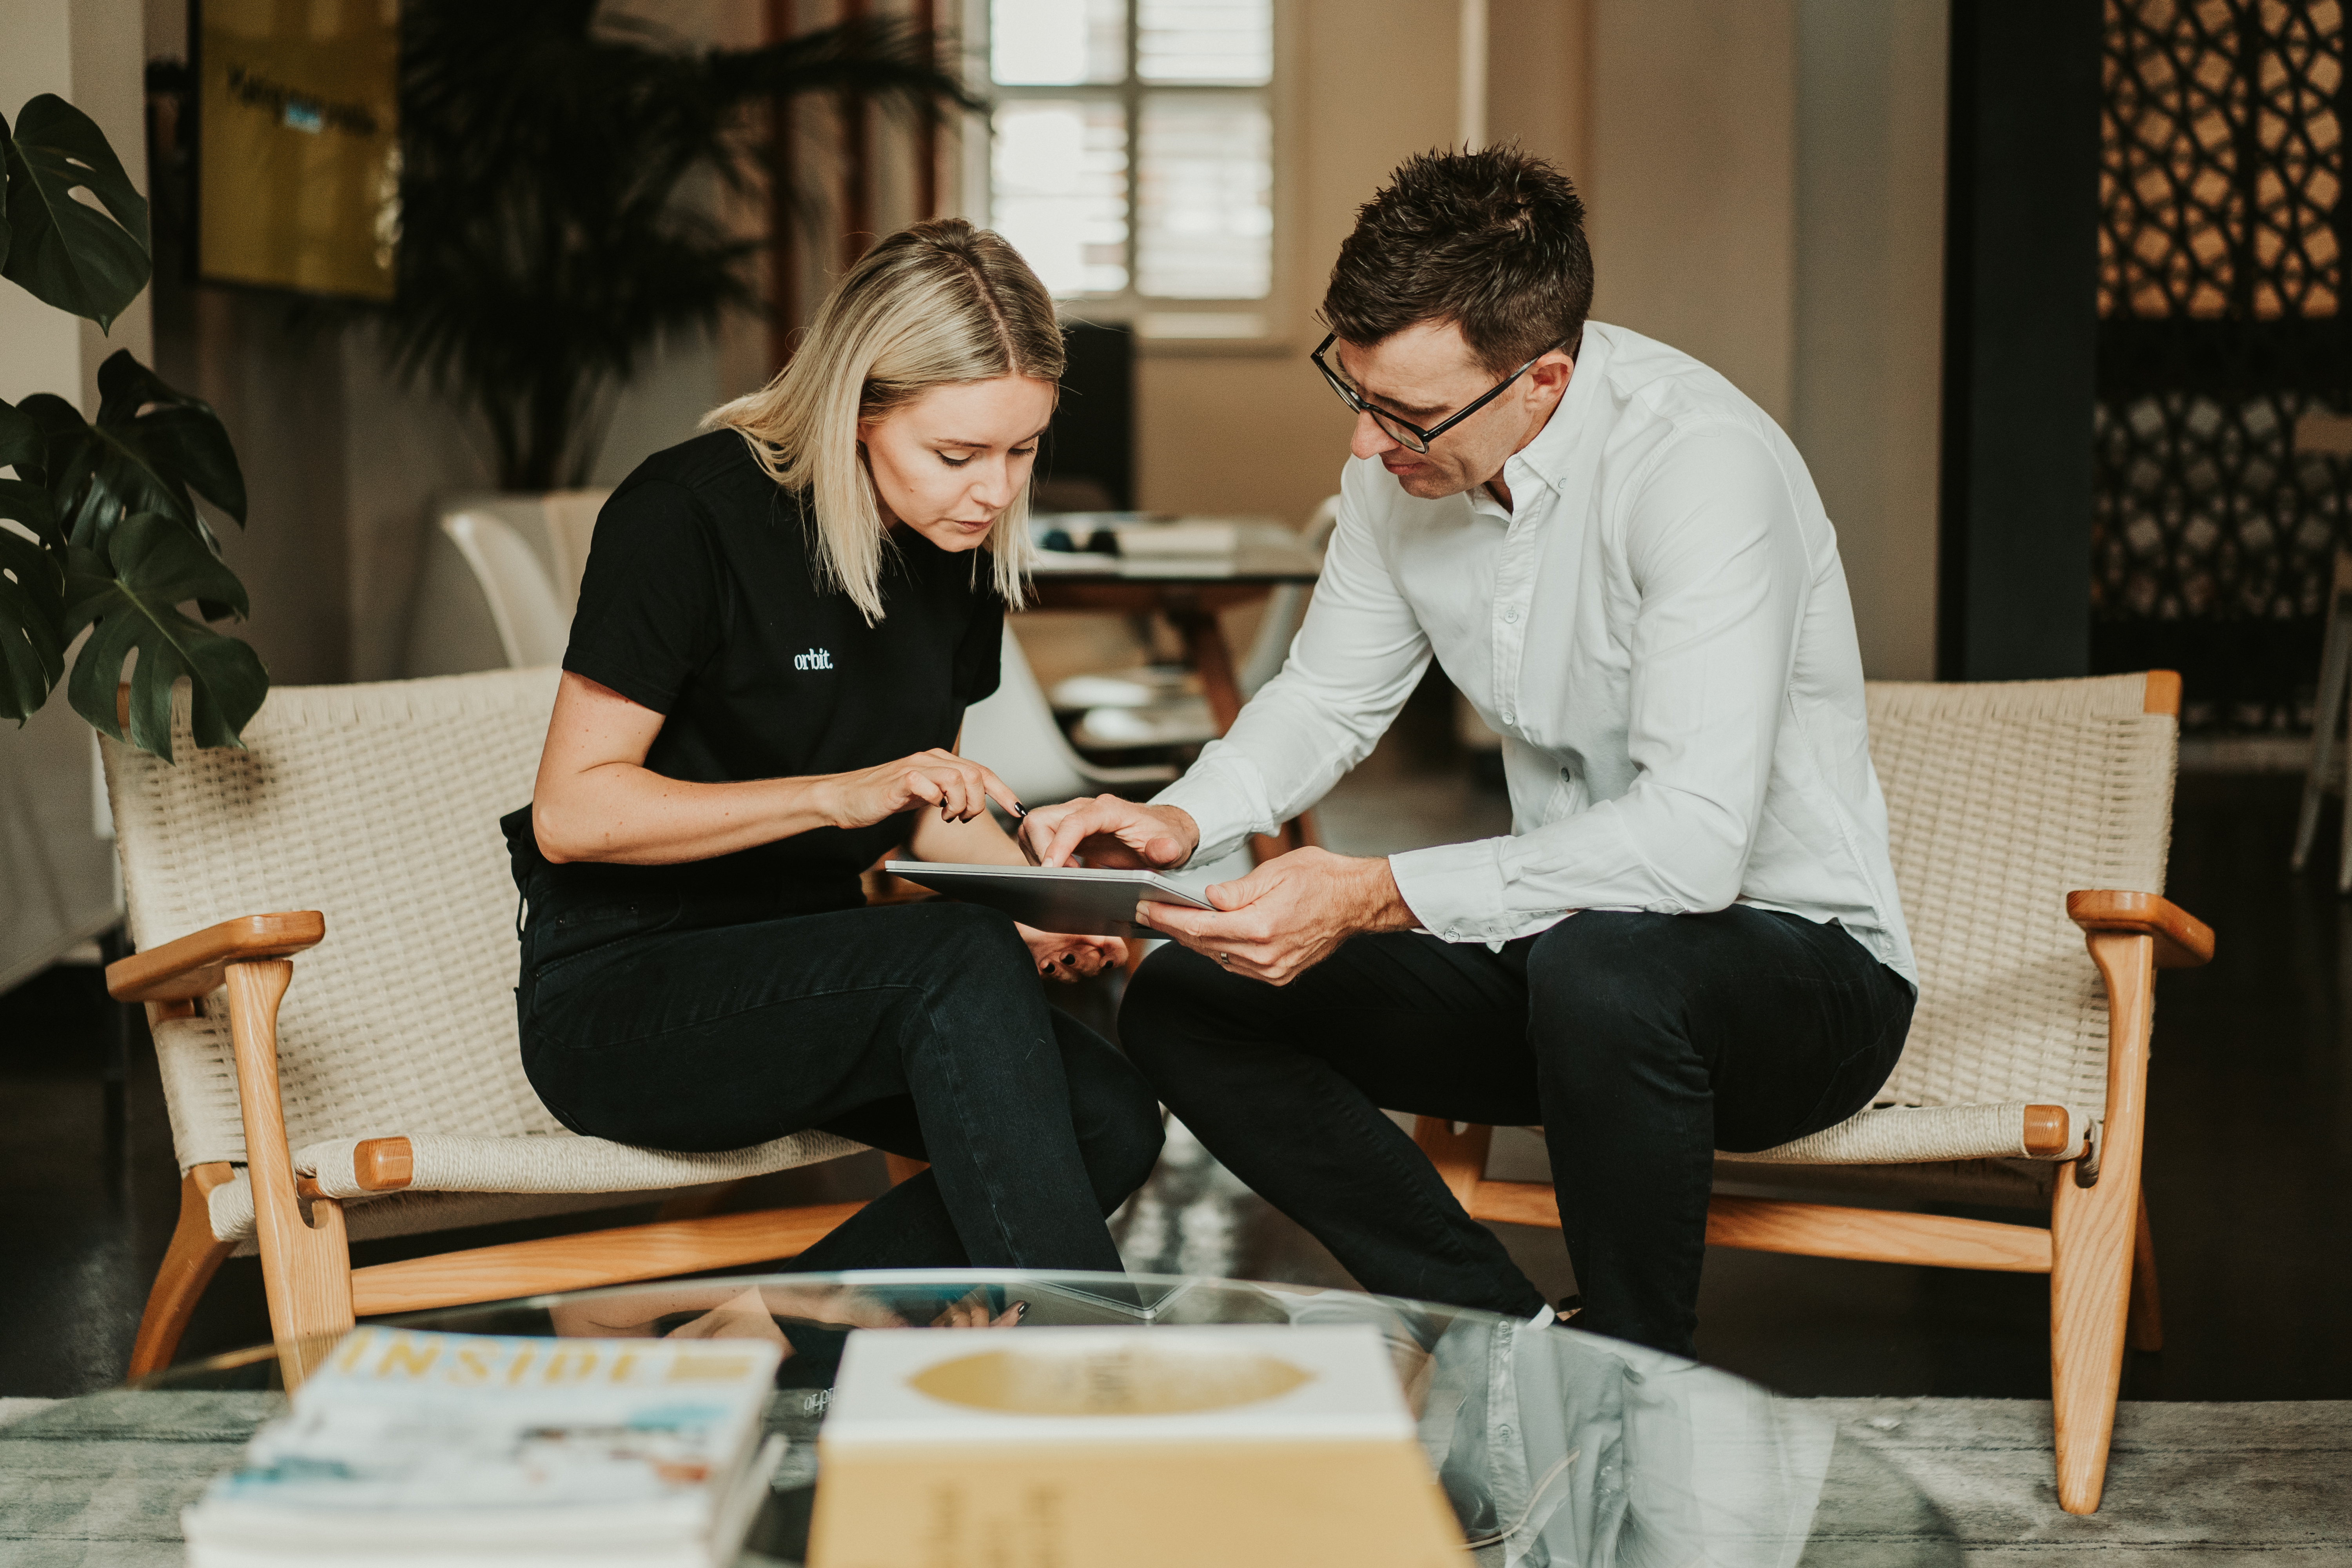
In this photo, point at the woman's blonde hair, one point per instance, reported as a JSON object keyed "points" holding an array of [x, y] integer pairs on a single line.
{"points": [[933, 305]]}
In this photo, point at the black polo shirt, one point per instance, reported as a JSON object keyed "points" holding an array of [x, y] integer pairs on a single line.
{"points": [[701, 601]]}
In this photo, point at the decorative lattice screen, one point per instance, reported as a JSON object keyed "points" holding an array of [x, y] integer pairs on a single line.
{"points": [[2222, 348]]}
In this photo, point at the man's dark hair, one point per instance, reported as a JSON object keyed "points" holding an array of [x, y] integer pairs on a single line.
{"points": [[1492, 241]]}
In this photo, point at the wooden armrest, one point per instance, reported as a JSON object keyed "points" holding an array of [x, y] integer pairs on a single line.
{"points": [[191, 965], [2182, 941], [379, 1164]]}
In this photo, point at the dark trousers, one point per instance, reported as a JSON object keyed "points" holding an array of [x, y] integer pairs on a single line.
{"points": [[1641, 1043], [922, 1029]]}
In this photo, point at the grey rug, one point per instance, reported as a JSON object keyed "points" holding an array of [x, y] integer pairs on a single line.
{"points": [[101, 1481], [2186, 1483]]}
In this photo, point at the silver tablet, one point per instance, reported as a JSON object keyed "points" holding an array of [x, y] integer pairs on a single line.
{"points": [[1078, 899]]}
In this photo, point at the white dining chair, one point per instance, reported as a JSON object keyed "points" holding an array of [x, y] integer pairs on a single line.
{"points": [[533, 623], [1013, 732], [1147, 708]]}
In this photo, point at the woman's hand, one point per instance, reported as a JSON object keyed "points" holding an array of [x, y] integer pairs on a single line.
{"points": [[958, 786], [596, 800], [973, 1312], [1069, 957]]}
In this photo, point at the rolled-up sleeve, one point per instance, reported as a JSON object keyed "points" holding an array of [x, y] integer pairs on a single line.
{"points": [[1718, 558], [1357, 657]]}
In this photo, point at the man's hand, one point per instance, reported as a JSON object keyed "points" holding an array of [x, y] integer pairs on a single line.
{"points": [[1109, 831], [1288, 915]]}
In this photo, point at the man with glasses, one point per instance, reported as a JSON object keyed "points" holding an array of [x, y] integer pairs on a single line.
{"points": [[1690, 940]]}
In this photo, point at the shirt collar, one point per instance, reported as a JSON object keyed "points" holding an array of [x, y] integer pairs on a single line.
{"points": [[1544, 461]]}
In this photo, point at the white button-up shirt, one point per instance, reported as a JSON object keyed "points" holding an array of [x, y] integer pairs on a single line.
{"points": [[1659, 629]]}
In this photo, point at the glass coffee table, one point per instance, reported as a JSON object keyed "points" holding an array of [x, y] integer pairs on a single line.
{"points": [[1554, 1447]]}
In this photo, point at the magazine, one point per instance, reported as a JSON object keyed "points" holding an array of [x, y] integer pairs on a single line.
{"points": [[452, 1449]]}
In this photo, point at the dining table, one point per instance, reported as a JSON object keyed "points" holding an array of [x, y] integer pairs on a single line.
{"points": [[1184, 571]]}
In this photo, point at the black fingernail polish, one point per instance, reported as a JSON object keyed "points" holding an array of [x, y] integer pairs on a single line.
{"points": [[1019, 811], [1020, 1308]]}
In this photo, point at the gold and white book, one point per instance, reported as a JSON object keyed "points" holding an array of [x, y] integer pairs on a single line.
{"points": [[1150, 1447]]}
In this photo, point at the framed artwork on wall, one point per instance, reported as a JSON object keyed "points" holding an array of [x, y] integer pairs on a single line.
{"points": [[297, 150]]}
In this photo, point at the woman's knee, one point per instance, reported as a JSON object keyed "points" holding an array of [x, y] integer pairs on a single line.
{"points": [[945, 924], [963, 948]]}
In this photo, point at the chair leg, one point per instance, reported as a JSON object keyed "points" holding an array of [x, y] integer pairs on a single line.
{"points": [[194, 1255], [1460, 1157], [306, 1265], [2090, 1292], [2091, 1235], [2146, 1330], [2334, 662]]}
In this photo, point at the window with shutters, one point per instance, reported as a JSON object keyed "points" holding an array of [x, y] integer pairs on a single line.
{"points": [[1133, 157]]}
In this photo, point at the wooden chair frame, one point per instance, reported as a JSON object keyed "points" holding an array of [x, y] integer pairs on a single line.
{"points": [[2097, 1249], [313, 1292]]}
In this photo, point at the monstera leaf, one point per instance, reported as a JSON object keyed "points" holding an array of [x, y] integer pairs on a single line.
{"points": [[152, 566], [98, 527], [32, 581], [32, 610], [150, 446], [65, 252]]}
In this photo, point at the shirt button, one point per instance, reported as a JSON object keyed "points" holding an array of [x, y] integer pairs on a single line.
{"points": [[1510, 614], [1566, 776], [1510, 717]]}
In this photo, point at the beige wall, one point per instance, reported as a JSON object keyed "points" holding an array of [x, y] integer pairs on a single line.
{"points": [[1869, 315], [1766, 188], [1692, 182], [86, 52]]}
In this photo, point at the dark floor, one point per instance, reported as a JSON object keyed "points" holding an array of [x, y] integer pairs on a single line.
{"points": [[2249, 1153]]}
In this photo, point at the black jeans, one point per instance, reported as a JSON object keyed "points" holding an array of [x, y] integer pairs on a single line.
{"points": [[922, 1029], [1642, 1042]]}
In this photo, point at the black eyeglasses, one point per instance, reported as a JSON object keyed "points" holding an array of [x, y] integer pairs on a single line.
{"points": [[1405, 433]]}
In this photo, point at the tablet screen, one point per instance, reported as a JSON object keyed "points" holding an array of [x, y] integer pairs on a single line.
{"points": [[1077, 899]]}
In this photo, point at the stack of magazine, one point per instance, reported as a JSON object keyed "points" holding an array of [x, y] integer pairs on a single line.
{"points": [[463, 1449]]}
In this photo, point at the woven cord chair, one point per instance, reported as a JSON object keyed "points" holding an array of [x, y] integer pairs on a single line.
{"points": [[2029, 819], [385, 1095]]}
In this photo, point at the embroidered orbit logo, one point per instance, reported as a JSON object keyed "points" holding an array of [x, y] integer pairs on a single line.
{"points": [[814, 658]]}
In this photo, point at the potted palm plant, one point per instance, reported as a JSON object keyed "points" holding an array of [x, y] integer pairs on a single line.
{"points": [[560, 168]]}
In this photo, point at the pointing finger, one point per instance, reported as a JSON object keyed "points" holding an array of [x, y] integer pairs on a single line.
{"points": [[1067, 836], [997, 790]]}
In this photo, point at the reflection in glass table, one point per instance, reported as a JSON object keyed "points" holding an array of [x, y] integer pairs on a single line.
{"points": [[1553, 1447]]}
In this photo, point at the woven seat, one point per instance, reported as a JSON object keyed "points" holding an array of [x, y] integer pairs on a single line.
{"points": [[2024, 818], [2001, 799], [378, 807]]}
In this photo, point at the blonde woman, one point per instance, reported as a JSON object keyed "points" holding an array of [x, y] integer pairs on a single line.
{"points": [[781, 625]]}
